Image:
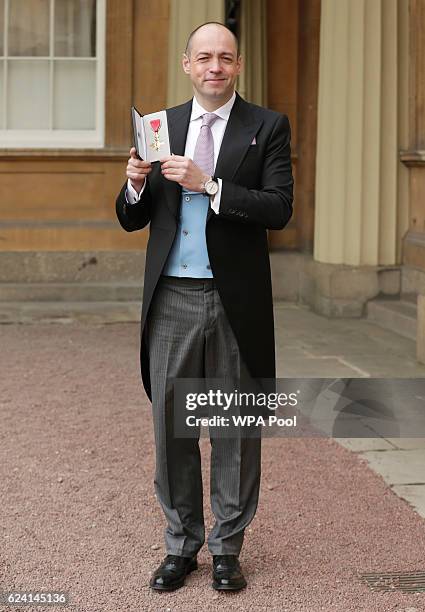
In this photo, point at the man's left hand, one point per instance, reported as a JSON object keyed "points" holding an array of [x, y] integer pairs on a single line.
{"points": [[184, 171]]}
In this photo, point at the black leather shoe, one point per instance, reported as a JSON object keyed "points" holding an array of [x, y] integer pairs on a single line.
{"points": [[227, 573], [172, 573]]}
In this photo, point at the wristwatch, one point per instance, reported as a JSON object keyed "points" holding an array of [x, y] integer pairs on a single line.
{"points": [[211, 186]]}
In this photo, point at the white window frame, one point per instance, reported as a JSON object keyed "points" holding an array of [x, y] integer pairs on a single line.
{"points": [[56, 138]]}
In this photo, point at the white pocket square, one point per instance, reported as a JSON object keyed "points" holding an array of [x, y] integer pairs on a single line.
{"points": [[254, 141]]}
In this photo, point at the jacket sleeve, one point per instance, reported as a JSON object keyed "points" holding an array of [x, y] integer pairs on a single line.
{"points": [[134, 216], [270, 206]]}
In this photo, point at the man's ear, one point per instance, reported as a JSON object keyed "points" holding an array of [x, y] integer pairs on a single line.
{"points": [[186, 63], [239, 63]]}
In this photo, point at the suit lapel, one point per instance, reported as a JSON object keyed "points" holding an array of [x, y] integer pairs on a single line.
{"points": [[240, 131], [241, 128], [178, 123]]}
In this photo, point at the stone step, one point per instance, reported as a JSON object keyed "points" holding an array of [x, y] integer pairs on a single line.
{"points": [[71, 292], [72, 266], [68, 312], [400, 316]]}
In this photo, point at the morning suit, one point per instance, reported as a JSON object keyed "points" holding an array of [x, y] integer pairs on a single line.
{"points": [[254, 165]]}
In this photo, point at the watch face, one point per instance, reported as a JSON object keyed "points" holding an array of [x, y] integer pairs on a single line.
{"points": [[211, 187]]}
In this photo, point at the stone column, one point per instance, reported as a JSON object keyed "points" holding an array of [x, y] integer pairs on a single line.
{"points": [[185, 16], [420, 344], [357, 165], [414, 156], [252, 82]]}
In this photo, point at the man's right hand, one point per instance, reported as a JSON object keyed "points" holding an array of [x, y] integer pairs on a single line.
{"points": [[137, 170]]}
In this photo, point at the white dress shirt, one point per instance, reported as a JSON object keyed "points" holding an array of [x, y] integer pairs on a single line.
{"points": [[217, 130]]}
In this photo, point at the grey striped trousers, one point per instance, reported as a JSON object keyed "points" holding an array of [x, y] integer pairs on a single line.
{"points": [[189, 336]]}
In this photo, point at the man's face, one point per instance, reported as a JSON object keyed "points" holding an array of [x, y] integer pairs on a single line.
{"points": [[212, 63]]}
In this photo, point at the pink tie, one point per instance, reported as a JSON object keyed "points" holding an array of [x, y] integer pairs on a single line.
{"points": [[203, 155]]}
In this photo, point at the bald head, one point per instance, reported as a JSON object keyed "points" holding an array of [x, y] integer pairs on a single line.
{"points": [[211, 28], [213, 64]]}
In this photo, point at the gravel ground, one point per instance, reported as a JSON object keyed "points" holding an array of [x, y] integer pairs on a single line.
{"points": [[79, 512]]}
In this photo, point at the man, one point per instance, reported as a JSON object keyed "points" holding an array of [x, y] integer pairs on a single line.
{"points": [[207, 302]]}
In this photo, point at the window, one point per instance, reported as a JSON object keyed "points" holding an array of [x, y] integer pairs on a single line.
{"points": [[52, 64]]}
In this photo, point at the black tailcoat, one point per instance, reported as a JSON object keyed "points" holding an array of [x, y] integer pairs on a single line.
{"points": [[257, 194]]}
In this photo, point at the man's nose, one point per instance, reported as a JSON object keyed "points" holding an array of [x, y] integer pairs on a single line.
{"points": [[215, 66]]}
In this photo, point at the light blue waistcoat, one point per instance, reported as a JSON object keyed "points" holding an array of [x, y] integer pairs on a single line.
{"points": [[189, 253]]}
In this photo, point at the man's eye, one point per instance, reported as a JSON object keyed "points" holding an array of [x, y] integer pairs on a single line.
{"points": [[202, 59]]}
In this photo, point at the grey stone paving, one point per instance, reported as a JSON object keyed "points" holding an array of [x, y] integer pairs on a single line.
{"points": [[309, 345]]}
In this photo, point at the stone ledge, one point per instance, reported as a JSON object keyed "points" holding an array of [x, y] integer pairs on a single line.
{"points": [[71, 266], [331, 290], [68, 312], [397, 315], [71, 292]]}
